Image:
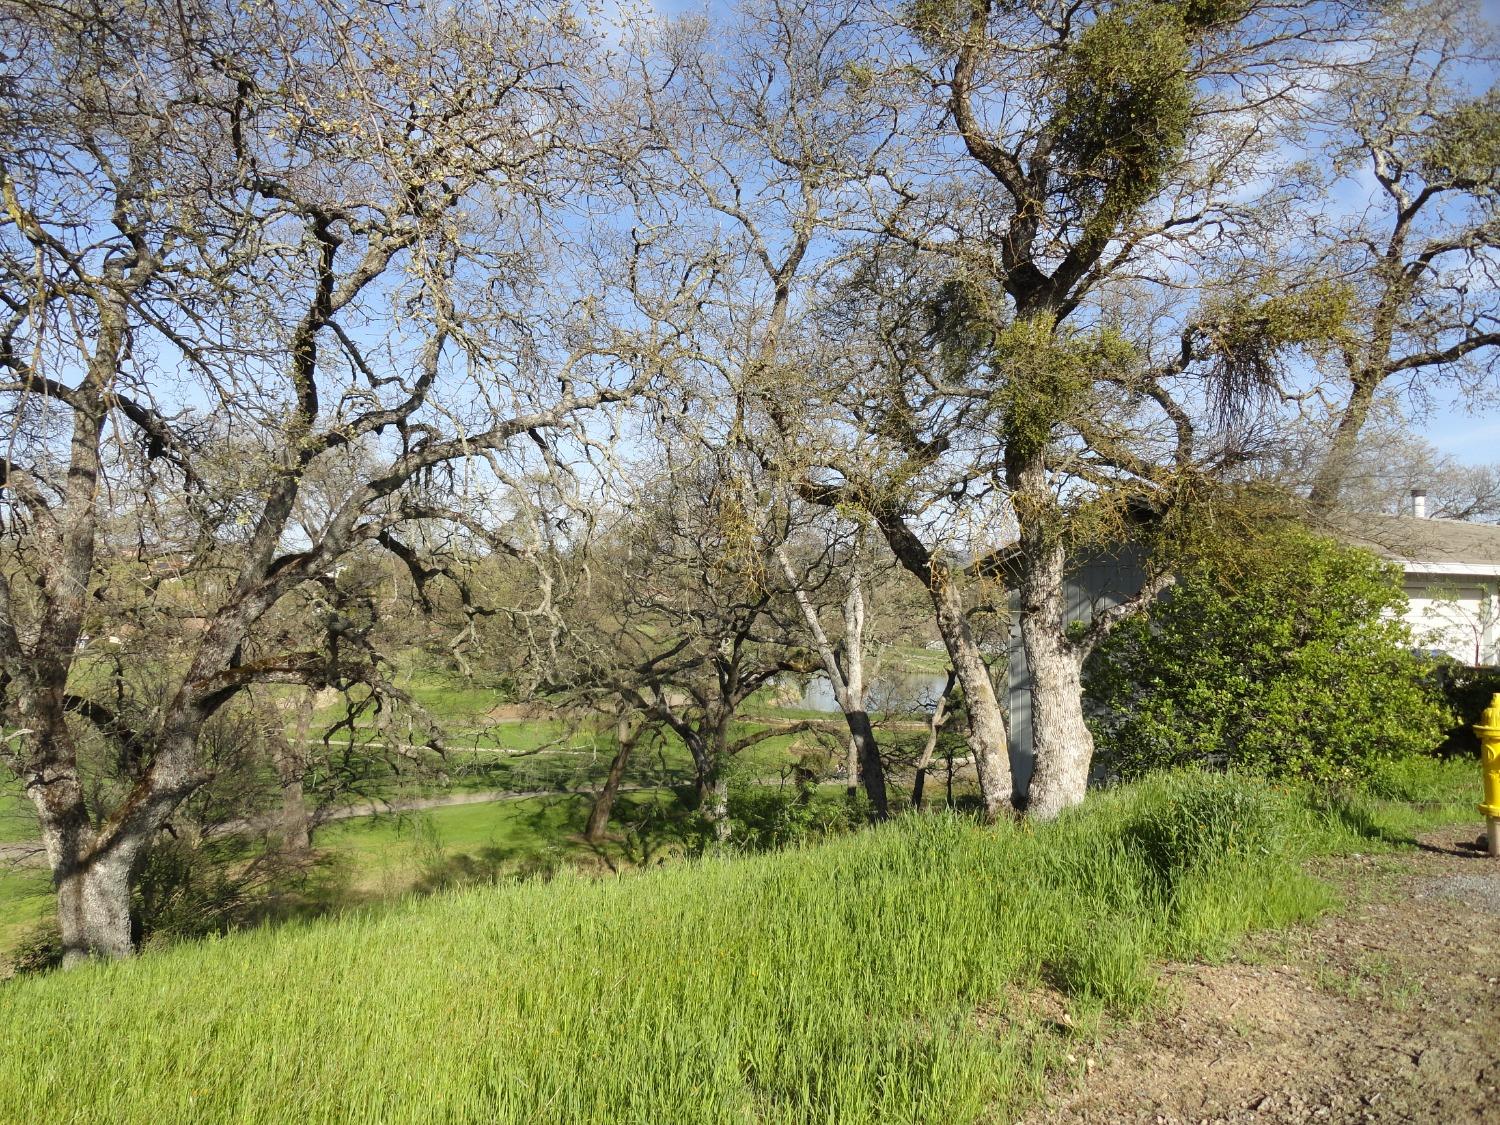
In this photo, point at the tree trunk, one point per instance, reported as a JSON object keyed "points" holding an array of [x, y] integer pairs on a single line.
{"points": [[1366, 372], [867, 751], [719, 809], [986, 734], [92, 885], [848, 683], [709, 783], [934, 725], [1061, 740], [1329, 482], [604, 802], [987, 739], [93, 908], [291, 769]]}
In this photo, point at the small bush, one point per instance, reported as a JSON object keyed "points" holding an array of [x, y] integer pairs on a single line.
{"points": [[39, 951], [1285, 657], [769, 816]]}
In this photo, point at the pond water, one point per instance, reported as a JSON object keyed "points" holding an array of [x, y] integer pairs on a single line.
{"points": [[901, 692]]}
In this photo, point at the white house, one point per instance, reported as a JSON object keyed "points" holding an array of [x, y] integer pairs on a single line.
{"points": [[1452, 579]]}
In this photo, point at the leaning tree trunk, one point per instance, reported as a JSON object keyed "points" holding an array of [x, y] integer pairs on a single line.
{"points": [[986, 734], [1060, 739], [604, 802], [934, 726], [848, 683], [1332, 474]]}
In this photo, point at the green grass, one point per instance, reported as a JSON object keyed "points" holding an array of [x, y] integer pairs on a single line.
{"points": [[25, 899], [871, 978], [17, 815], [1404, 798], [389, 854]]}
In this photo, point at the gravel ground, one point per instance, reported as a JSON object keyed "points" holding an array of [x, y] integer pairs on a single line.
{"points": [[1386, 1012]]}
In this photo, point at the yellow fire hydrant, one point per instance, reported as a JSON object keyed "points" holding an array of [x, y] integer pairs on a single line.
{"points": [[1488, 730]]}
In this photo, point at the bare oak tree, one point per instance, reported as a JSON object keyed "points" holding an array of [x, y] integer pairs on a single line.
{"points": [[1419, 115], [318, 230]]}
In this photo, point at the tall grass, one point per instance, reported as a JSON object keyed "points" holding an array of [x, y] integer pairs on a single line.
{"points": [[839, 983]]}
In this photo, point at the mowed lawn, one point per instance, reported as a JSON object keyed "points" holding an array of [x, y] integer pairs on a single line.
{"points": [[877, 977]]}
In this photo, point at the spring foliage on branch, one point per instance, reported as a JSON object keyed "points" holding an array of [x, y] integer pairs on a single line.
{"points": [[1284, 655]]}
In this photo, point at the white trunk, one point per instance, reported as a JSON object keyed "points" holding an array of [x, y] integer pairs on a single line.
{"points": [[719, 810], [848, 682], [1060, 739], [93, 910], [852, 695]]}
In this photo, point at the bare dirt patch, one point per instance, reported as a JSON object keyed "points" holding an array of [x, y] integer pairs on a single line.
{"points": [[1387, 1011]]}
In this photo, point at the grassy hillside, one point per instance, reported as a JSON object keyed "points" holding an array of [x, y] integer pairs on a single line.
{"points": [[879, 977]]}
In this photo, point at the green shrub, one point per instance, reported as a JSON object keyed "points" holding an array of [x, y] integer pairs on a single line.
{"points": [[771, 816], [38, 951], [1284, 656], [1468, 692]]}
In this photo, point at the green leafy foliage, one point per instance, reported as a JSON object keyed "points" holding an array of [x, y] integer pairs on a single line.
{"points": [[935, 22], [1249, 332], [1046, 374], [771, 816], [1284, 656], [1468, 692]]}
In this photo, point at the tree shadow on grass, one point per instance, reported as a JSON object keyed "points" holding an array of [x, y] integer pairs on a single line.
{"points": [[1362, 823]]}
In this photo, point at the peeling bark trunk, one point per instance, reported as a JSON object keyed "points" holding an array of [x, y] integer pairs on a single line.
{"points": [[604, 802], [1061, 740]]}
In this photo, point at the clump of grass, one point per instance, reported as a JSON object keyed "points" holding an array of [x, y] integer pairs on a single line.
{"points": [[1207, 819], [840, 982]]}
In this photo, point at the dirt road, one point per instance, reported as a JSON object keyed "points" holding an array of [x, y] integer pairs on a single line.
{"points": [[1386, 1012]]}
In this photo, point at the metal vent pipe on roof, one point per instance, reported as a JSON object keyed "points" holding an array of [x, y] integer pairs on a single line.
{"points": [[1419, 503]]}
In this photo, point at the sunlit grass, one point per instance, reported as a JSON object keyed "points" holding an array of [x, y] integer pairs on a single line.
{"points": [[867, 979], [17, 815]]}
